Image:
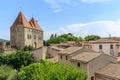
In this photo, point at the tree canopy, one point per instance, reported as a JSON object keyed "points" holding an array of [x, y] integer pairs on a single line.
{"points": [[18, 59], [92, 37], [28, 48], [8, 43], [62, 38], [1, 43], [51, 71]]}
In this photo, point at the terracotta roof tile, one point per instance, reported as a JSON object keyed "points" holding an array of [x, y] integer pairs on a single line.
{"points": [[21, 21], [34, 24]]}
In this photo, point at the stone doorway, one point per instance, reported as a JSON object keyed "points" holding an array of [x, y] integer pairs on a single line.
{"points": [[35, 44]]}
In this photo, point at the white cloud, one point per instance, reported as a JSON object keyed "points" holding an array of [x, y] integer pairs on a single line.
{"points": [[56, 4], [95, 1], [101, 28], [57, 10]]}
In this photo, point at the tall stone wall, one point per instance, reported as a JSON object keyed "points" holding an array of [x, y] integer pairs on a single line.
{"points": [[17, 37], [38, 54]]}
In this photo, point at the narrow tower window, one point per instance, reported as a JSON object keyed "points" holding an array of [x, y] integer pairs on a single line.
{"points": [[61, 57], [78, 64], [28, 36], [100, 46], [66, 57], [111, 46]]}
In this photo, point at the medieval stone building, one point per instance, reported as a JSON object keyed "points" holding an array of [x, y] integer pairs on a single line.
{"points": [[24, 32]]}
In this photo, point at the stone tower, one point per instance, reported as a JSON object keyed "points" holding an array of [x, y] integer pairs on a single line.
{"points": [[24, 32]]}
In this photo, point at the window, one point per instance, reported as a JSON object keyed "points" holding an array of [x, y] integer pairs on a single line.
{"points": [[112, 52], [61, 57], [28, 36], [66, 57], [100, 46], [78, 64], [111, 46], [92, 78], [118, 53], [19, 20]]}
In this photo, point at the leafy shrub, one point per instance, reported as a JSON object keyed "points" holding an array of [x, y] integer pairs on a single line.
{"points": [[7, 73], [8, 43], [51, 71], [1, 43], [16, 60], [28, 48], [62, 38], [92, 37]]}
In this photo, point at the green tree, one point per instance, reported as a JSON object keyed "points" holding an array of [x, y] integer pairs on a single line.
{"points": [[92, 37], [18, 59], [1, 43], [52, 36], [7, 73], [51, 71], [80, 39], [55, 40], [8, 43], [55, 35], [28, 48], [63, 38]]}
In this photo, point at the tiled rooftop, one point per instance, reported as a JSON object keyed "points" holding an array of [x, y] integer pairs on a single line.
{"points": [[70, 50], [111, 70], [21, 21], [105, 41], [85, 56]]}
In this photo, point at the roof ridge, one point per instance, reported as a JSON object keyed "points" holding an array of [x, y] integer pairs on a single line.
{"points": [[21, 21], [36, 25]]}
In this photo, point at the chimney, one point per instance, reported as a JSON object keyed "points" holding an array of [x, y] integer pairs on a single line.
{"points": [[109, 35]]}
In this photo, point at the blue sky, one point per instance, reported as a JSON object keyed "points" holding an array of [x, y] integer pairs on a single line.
{"points": [[80, 17]]}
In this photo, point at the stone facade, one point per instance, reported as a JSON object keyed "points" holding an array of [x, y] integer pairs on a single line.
{"points": [[24, 33], [107, 46], [90, 61], [6, 49], [52, 51], [38, 54], [99, 63]]}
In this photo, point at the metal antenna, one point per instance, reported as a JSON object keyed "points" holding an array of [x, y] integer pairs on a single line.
{"points": [[109, 35], [20, 8]]}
